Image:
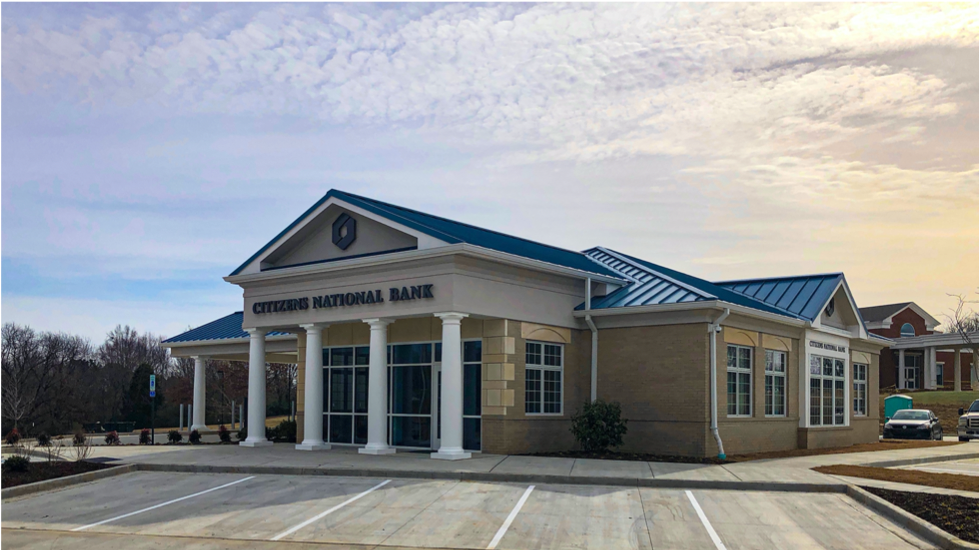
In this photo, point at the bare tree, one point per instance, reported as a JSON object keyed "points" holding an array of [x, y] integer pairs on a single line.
{"points": [[964, 321]]}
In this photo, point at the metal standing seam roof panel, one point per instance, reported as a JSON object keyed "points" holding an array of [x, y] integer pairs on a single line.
{"points": [[802, 296], [454, 232], [654, 285], [225, 328]]}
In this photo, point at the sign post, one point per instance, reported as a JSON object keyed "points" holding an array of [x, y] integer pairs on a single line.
{"points": [[152, 409]]}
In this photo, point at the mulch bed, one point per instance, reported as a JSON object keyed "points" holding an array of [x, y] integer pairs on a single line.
{"points": [[914, 477], [953, 514], [42, 471], [640, 457]]}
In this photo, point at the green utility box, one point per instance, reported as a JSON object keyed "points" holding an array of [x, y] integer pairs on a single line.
{"points": [[896, 403]]}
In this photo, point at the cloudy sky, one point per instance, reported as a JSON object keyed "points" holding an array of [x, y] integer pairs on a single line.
{"points": [[150, 149]]}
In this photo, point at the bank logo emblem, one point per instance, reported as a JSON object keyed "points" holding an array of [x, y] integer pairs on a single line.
{"points": [[344, 231]]}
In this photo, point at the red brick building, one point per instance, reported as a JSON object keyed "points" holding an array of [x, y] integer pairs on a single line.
{"points": [[928, 356]]}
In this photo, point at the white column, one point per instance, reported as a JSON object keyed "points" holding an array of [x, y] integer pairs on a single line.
{"points": [[313, 395], [451, 408], [377, 390], [199, 395], [957, 371], [256, 390], [901, 383]]}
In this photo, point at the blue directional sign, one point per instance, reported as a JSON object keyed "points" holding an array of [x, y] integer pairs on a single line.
{"points": [[152, 385]]}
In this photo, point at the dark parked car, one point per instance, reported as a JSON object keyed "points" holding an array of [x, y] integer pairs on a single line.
{"points": [[913, 424]]}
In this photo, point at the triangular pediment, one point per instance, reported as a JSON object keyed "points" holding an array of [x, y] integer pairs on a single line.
{"points": [[840, 312], [334, 230]]}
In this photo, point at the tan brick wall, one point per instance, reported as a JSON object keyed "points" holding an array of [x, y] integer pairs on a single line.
{"points": [[659, 376], [515, 431], [759, 433]]}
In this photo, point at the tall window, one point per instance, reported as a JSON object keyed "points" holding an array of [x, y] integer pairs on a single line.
{"points": [[472, 357], [940, 374], [345, 394], [827, 377], [907, 331], [738, 381], [859, 389], [545, 369], [774, 383]]}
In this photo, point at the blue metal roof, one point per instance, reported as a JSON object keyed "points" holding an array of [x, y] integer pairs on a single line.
{"points": [[653, 284], [225, 328], [647, 287], [453, 232], [803, 296]]}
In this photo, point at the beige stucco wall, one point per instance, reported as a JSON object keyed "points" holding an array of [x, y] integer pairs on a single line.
{"points": [[315, 241]]}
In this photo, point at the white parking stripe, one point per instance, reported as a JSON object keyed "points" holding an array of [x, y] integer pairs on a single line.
{"points": [[330, 511], [513, 515], [161, 505], [707, 525]]}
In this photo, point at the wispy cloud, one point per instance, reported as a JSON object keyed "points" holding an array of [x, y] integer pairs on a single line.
{"points": [[155, 135]]}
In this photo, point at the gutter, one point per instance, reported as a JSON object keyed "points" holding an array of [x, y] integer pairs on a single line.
{"points": [[713, 329], [594, 342]]}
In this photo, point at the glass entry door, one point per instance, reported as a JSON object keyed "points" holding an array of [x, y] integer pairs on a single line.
{"points": [[411, 395]]}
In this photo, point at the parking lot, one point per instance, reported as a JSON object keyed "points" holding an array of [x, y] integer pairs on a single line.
{"points": [[438, 514]]}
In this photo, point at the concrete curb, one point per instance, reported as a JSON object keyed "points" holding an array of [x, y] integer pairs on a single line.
{"points": [[909, 521], [554, 479], [923, 460], [67, 481]]}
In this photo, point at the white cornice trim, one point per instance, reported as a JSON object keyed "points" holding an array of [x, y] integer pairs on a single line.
{"points": [[464, 249], [219, 341], [719, 305]]}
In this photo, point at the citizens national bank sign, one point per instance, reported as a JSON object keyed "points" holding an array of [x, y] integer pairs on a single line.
{"points": [[345, 299]]}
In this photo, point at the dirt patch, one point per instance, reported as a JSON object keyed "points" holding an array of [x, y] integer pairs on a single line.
{"points": [[888, 445], [914, 477], [950, 513], [638, 457], [42, 471]]}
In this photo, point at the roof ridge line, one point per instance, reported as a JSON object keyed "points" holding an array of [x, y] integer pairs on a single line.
{"points": [[495, 232], [732, 281]]}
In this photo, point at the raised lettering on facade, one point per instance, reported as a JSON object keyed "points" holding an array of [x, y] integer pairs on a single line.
{"points": [[345, 299]]}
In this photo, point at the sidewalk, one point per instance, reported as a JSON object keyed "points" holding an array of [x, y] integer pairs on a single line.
{"points": [[775, 474]]}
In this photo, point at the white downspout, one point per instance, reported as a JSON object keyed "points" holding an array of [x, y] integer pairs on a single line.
{"points": [[713, 329], [594, 342]]}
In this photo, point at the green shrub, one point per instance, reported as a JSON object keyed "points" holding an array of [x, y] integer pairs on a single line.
{"points": [[145, 437], [194, 437], [285, 432], [174, 436], [78, 439], [242, 434], [598, 426], [16, 463], [224, 434], [43, 439], [13, 437], [112, 438]]}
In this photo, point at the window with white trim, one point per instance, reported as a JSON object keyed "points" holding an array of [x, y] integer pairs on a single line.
{"points": [[738, 380], [940, 374], [827, 377], [859, 389], [774, 382], [543, 389]]}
